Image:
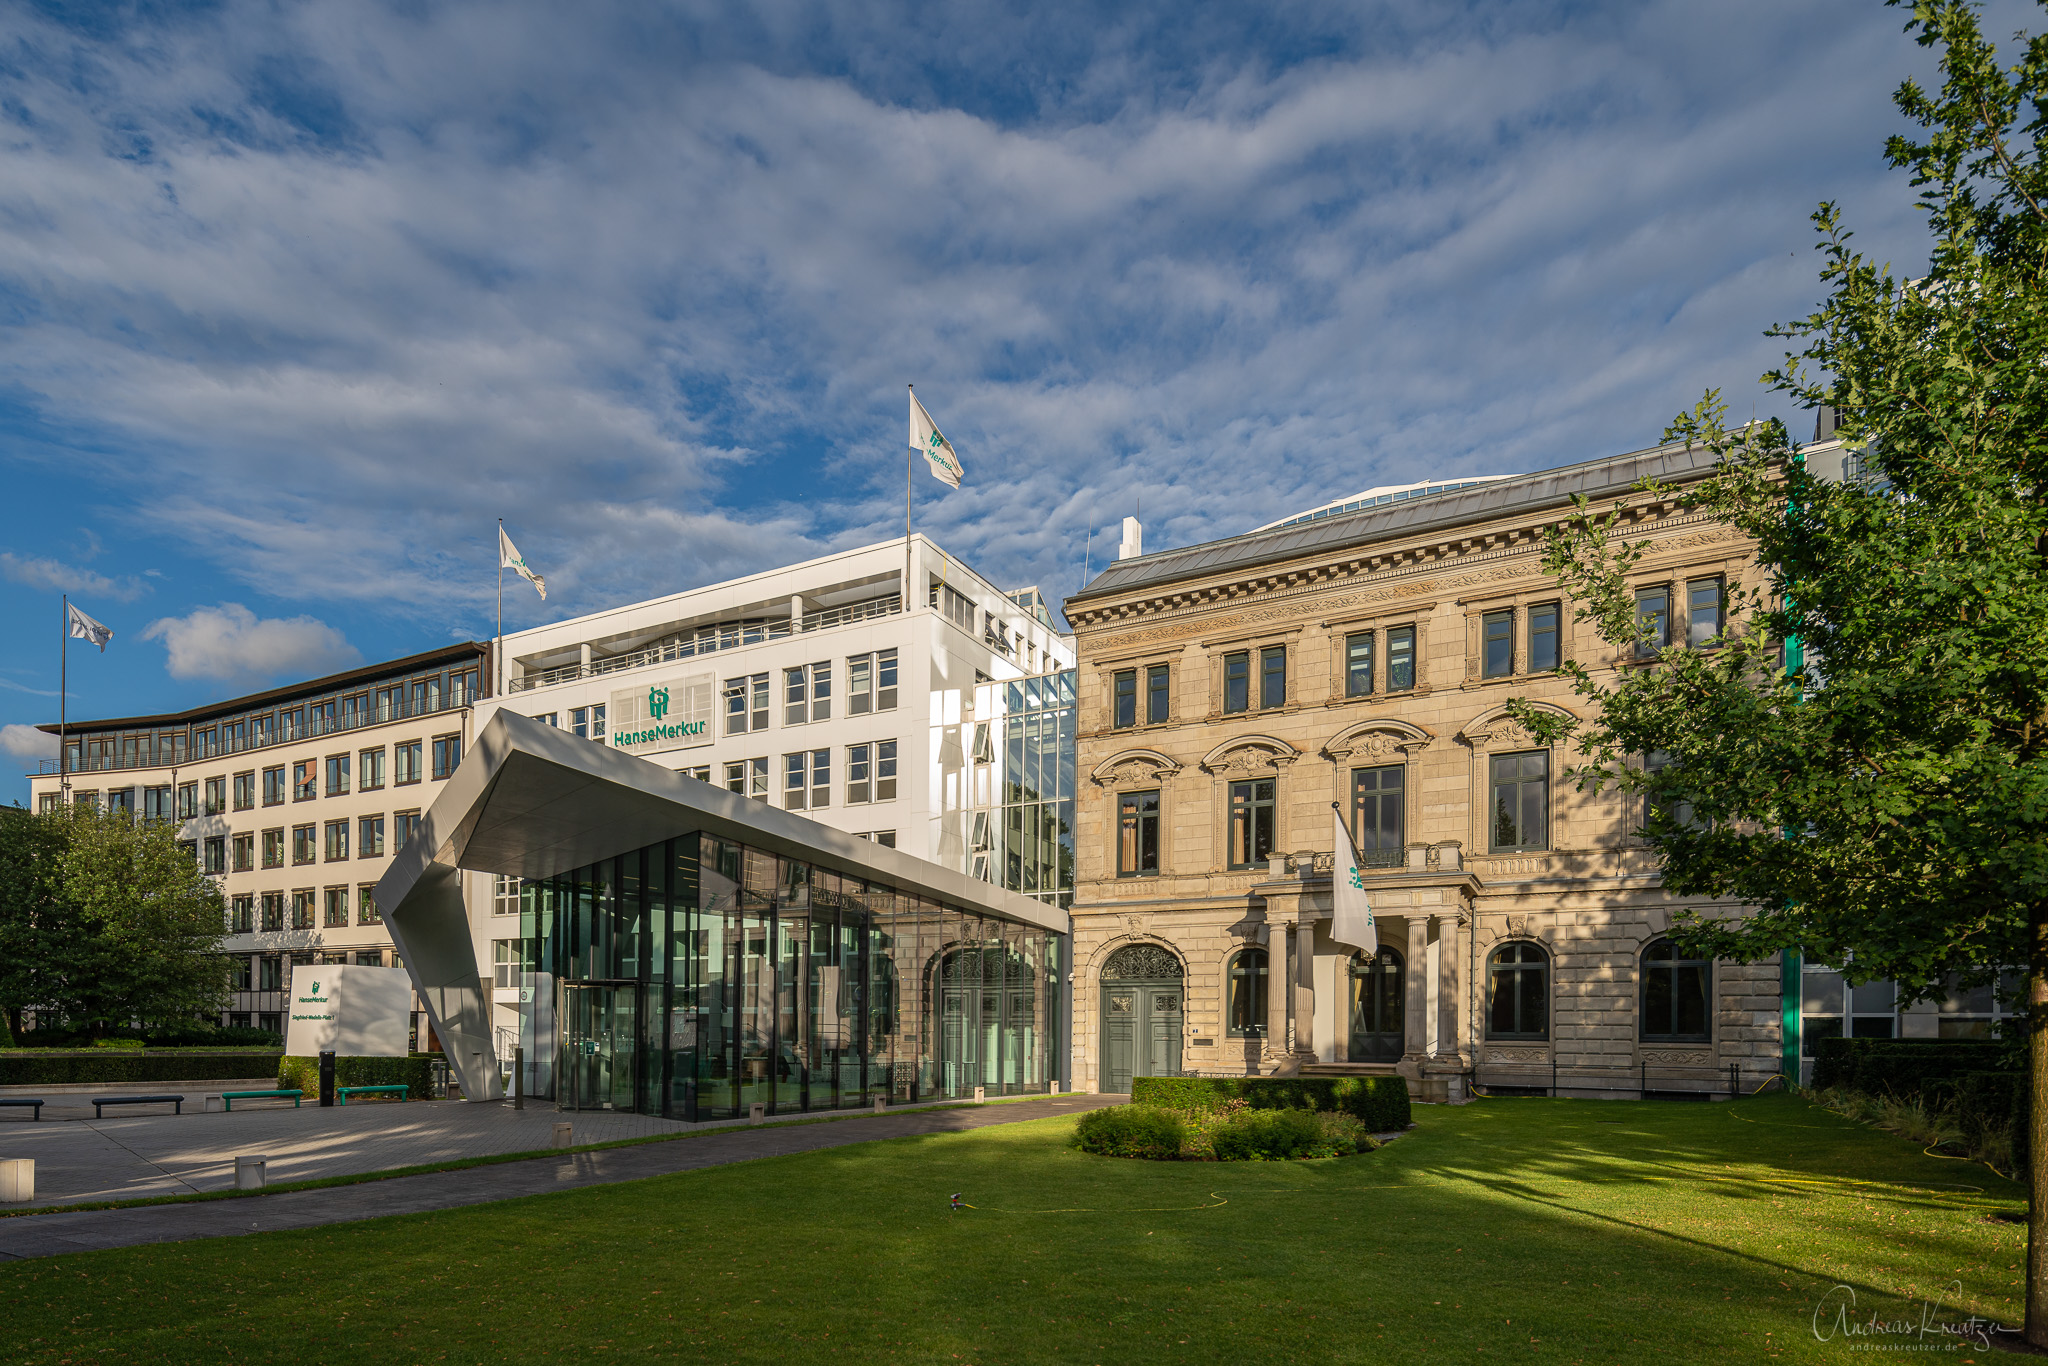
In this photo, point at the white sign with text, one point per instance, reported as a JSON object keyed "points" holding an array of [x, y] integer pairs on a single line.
{"points": [[358, 1012]]}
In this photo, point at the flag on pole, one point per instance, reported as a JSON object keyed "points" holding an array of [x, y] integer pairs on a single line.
{"points": [[509, 558], [1351, 919], [927, 440], [84, 627]]}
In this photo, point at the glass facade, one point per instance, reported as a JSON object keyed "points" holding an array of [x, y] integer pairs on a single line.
{"points": [[1021, 783], [697, 978]]}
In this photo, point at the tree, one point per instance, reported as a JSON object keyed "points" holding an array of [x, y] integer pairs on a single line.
{"points": [[30, 853], [1862, 758]]}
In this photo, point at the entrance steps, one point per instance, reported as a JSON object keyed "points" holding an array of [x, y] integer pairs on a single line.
{"points": [[1348, 1069]]}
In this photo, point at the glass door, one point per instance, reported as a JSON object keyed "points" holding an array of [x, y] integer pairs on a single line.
{"points": [[600, 1029]]}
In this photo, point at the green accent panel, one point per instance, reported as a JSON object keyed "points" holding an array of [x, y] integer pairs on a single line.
{"points": [[1791, 965]]}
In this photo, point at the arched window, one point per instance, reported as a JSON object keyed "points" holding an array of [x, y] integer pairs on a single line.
{"points": [[1246, 1016], [1518, 992], [1676, 990]]}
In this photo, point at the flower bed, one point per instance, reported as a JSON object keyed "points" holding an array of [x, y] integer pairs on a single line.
{"points": [[1233, 1132]]}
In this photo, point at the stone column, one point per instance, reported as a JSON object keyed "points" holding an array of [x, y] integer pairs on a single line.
{"points": [[1447, 998], [1416, 1024], [1278, 997], [1305, 989]]}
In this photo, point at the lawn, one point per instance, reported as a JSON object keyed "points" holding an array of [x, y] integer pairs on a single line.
{"points": [[1507, 1229]]}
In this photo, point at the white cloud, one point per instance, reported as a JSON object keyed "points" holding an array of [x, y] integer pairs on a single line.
{"points": [[231, 642], [26, 742], [54, 576]]}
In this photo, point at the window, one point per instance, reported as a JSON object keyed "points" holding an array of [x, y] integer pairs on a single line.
{"points": [[447, 754], [370, 770], [1123, 707], [1137, 834], [1497, 644], [273, 848], [958, 608], [121, 802], [273, 912], [367, 912], [807, 693], [1543, 654], [505, 963], [1245, 1010], [885, 770], [505, 896], [702, 773], [245, 791], [270, 975], [746, 704], [337, 840], [748, 777], [1400, 658], [273, 786], [245, 853], [48, 802], [404, 825], [216, 854], [188, 801], [462, 688], [426, 696], [216, 796], [885, 838], [370, 837], [1676, 990], [1830, 1007], [1521, 801], [1237, 681], [807, 771], [241, 972], [588, 722], [1273, 676], [242, 920], [1251, 822], [1156, 697], [1703, 612], [334, 908], [1376, 814], [405, 762], [1358, 664], [871, 683], [156, 803], [337, 775], [1518, 993], [302, 910], [305, 780], [860, 775], [303, 842], [1975, 1012], [1653, 619]]}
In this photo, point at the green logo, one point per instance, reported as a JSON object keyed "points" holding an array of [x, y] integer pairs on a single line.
{"points": [[1357, 878], [313, 990], [657, 703]]}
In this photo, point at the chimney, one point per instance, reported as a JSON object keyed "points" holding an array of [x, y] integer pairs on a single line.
{"points": [[1134, 540]]}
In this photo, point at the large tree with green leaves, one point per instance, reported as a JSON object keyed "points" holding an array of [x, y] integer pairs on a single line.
{"points": [[1862, 759]]}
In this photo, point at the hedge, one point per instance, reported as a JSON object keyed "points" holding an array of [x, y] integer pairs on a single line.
{"points": [[121, 1065], [416, 1073], [1901, 1067], [1380, 1103], [1131, 1131]]}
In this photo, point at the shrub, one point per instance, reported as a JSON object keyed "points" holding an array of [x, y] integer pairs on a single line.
{"points": [[1900, 1067], [1266, 1135], [1380, 1103], [1131, 1131], [415, 1073], [43, 1068]]}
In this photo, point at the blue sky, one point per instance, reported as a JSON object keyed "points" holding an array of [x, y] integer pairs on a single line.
{"points": [[297, 299]]}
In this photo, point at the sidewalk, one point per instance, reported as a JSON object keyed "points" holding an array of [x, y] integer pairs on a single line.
{"points": [[330, 1145]]}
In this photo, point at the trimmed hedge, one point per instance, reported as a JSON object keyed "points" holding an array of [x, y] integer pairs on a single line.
{"points": [[1272, 1135], [1380, 1103], [1901, 1067], [170, 1036], [1131, 1131], [415, 1073], [121, 1065]]}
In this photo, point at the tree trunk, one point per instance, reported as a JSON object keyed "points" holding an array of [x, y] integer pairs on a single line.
{"points": [[2037, 1126]]}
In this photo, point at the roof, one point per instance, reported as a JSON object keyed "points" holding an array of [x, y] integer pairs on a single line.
{"points": [[1606, 477]]}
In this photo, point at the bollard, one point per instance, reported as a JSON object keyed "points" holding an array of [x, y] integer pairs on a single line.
{"points": [[327, 1077], [17, 1179], [1055, 1089], [561, 1136], [979, 1099], [881, 1105], [249, 1173], [519, 1078], [757, 1113]]}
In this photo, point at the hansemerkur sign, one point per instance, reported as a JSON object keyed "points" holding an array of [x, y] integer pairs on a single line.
{"points": [[675, 714]]}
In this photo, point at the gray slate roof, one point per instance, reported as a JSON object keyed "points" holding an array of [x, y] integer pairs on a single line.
{"points": [[1600, 479]]}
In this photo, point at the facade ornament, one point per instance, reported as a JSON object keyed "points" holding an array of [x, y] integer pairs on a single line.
{"points": [[1249, 754], [1134, 767], [1142, 963], [1495, 727]]}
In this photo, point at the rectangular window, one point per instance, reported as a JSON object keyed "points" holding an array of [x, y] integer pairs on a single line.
{"points": [[1137, 840], [370, 770], [188, 800], [1376, 814], [405, 762], [860, 685], [1653, 619], [860, 774], [1497, 644], [1156, 698], [1543, 654], [505, 896], [1237, 681], [426, 696], [273, 786], [885, 680], [1273, 676], [447, 754], [270, 967], [156, 803], [273, 848], [335, 908], [1703, 599], [305, 780], [746, 704], [807, 780], [462, 688], [302, 910], [273, 912], [1358, 664], [1123, 706], [245, 853], [404, 825], [366, 908], [1251, 823], [588, 722], [304, 843], [1400, 658], [736, 776], [242, 920], [337, 841], [505, 963], [370, 837], [337, 775], [245, 791], [885, 770], [546, 718], [807, 693], [1521, 801], [216, 854], [216, 796]]}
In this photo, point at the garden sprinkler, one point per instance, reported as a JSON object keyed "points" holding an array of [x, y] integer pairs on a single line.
{"points": [[957, 1206]]}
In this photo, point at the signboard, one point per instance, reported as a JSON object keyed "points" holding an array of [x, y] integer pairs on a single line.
{"points": [[357, 1012], [676, 714]]}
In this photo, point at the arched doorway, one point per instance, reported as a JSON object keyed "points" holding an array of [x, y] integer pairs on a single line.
{"points": [[1378, 1009], [1142, 1000], [987, 1019]]}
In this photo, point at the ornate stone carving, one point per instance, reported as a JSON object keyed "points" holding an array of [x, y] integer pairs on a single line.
{"points": [[1518, 927], [1676, 1057], [1142, 963], [1143, 767], [1518, 1055], [1248, 757]]}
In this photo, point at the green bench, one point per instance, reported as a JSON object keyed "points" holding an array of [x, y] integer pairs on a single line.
{"points": [[228, 1098], [344, 1092]]}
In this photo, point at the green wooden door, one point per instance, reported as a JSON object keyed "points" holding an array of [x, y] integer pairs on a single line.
{"points": [[1142, 1008]]}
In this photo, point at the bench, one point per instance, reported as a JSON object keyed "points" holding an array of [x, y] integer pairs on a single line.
{"points": [[344, 1092], [100, 1101], [38, 1105], [228, 1098]]}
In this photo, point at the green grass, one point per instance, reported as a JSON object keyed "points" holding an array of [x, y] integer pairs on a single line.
{"points": [[1523, 1229]]}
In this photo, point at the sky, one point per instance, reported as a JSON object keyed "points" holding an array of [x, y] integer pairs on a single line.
{"points": [[298, 299]]}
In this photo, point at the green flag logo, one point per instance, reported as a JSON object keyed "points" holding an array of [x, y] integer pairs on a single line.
{"points": [[313, 990], [1357, 878], [657, 703]]}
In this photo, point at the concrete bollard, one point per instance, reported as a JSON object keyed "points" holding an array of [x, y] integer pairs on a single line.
{"points": [[757, 1113], [249, 1173], [561, 1135], [979, 1098], [1055, 1089], [17, 1180], [881, 1105]]}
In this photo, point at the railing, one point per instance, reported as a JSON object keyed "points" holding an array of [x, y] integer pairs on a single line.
{"points": [[398, 710], [1643, 1079], [1324, 865], [712, 640]]}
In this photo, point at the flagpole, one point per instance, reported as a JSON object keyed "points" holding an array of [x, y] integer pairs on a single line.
{"points": [[63, 701], [498, 648], [909, 471]]}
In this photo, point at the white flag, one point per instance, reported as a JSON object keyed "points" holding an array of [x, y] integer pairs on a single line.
{"points": [[84, 627], [509, 558], [927, 440], [1351, 920]]}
